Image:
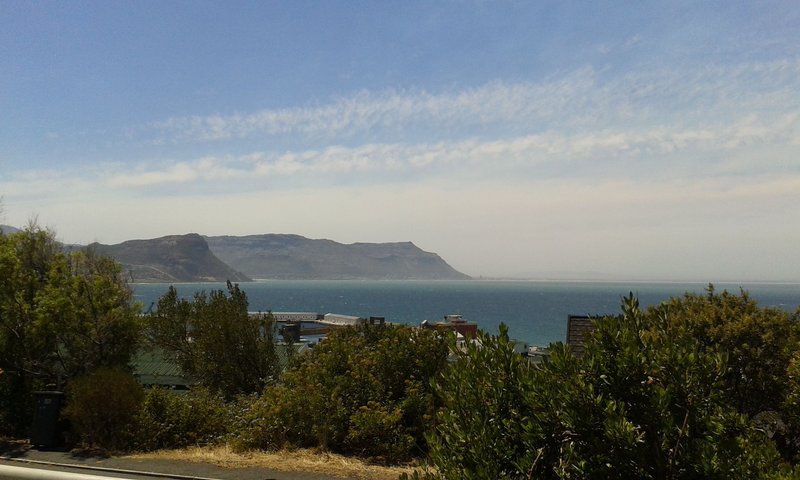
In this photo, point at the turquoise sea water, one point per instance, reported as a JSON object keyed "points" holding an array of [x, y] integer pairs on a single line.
{"points": [[535, 312]]}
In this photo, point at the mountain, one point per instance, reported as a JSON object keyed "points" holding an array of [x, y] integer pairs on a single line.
{"points": [[8, 229], [282, 256], [175, 258]]}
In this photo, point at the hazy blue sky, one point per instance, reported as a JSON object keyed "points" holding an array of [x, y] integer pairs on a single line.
{"points": [[534, 139]]}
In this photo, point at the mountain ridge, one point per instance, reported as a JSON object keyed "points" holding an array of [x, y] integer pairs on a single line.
{"points": [[172, 258], [292, 256], [195, 258]]}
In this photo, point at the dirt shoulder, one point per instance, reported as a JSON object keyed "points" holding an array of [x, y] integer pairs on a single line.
{"points": [[302, 461], [223, 463]]}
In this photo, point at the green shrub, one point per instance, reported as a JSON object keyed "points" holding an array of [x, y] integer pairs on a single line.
{"points": [[363, 391], [103, 408], [480, 428], [62, 315], [378, 431], [173, 420], [646, 401], [216, 341], [758, 343], [761, 351]]}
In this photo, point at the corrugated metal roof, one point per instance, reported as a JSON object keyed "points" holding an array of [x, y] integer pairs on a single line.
{"points": [[154, 367]]}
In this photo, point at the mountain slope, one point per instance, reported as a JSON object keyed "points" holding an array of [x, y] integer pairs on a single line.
{"points": [[8, 229], [175, 258], [295, 257]]}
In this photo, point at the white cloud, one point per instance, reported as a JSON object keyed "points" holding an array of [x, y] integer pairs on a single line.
{"points": [[206, 169], [586, 98], [657, 146]]}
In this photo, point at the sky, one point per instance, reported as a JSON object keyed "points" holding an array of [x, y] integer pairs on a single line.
{"points": [[547, 140]]}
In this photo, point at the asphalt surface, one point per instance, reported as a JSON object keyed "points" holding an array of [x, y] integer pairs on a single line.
{"points": [[172, 467]]}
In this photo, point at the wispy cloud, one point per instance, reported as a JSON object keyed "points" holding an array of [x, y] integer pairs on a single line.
{"points": [[618, 148], [586, 98], [204, 169]]}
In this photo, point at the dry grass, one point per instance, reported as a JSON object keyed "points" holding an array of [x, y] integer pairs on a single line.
{"points": [[301, 460]]}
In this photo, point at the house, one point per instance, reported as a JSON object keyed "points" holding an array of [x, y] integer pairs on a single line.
{"points": [[340, 320], [537, 355], [153, 368], [579, 327], [455, 323]]}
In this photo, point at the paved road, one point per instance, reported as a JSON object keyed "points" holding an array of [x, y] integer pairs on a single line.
{"points": [[191, 469], [10, 470]]}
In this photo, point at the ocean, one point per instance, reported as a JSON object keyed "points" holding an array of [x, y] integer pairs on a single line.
{"points": [[535, 311]]}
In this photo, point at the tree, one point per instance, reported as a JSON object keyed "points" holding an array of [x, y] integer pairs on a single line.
{"points": [[761, 347], [87, 313], [758, 343], [215, 340], [25, 261], [362, 390], [478, 432], [645, 401], [61, 315]]}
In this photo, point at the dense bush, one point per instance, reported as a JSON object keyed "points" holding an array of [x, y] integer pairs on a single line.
{"points": [[481, 424], [173, 420], [61, 316], [363, 391], [110, 410], [648, 400], [758, 343], [215, 341], [103, 408]]}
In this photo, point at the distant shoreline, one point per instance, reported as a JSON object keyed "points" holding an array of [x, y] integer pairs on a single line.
{"points": [[491, 280]]}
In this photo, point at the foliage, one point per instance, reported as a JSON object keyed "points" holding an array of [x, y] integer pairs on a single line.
{"points": [[363, 391], [173, 420], [216, 341], [25, 261], [110, 410], [61, 315], [645, 401], [758, 343], [479, 429], [103, 407], [761, 347], [88, 315], [786, 429], [673, 391]]}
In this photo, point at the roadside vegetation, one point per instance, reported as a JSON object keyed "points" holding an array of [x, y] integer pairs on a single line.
{"points": [[215, 341], [63, 315], [701, 386], [698, 387], [363, 391]]}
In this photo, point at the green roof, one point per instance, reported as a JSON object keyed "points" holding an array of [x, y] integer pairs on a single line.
{"points": [[154, 367]]}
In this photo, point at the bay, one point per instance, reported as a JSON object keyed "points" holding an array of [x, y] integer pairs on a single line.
{"points": [[535, 311]]}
